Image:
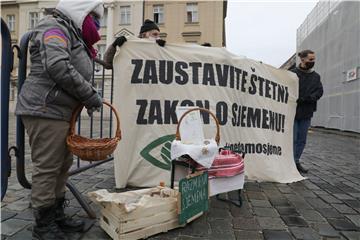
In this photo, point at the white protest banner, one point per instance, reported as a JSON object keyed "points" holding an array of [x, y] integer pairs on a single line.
{"points": [[255, 104]]}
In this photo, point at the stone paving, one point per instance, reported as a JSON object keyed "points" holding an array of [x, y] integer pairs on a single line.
{"points": [[324, 206]]}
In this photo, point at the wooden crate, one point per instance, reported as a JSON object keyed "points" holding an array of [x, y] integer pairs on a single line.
{"points": [[159, 214]]}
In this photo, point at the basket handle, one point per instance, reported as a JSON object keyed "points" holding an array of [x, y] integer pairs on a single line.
{"points": [[77, 111], [217, 137]]}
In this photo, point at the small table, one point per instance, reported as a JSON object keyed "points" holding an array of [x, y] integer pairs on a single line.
{"points": [[216, 185]]}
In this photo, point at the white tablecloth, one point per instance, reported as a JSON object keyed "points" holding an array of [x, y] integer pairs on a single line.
{"points": [[203, 154], [216, 185], [226, 184]]}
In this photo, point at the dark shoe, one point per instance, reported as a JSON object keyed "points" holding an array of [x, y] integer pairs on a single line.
{"points": [[45, 226], [66, 223], [301, 169]]}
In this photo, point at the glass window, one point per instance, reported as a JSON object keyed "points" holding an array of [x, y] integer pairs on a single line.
{"points": [[103, 20], [125, 15], [34, 19], [192, 12], [158, 14], [11, 22]]}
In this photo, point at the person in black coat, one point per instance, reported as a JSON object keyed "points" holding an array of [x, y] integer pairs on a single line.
{"points": [[310, 91]]}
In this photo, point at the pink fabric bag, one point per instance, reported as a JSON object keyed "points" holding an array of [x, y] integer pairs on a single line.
{"points": [[226, 164]]}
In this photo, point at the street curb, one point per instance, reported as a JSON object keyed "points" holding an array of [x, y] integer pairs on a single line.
{"points": [[335, 131]]}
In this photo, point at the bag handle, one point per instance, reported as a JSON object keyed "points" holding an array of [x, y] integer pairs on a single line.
{"points": [[217, 137], [78, 110]]}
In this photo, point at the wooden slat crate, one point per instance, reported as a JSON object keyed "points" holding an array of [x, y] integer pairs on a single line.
{"points": [[158, 214]]}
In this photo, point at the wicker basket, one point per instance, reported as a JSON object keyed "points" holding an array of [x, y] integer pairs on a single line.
{"points": [[92, 149], [217, 137]]}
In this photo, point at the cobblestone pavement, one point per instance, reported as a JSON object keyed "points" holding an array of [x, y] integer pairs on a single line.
{"points": [[325, 206]]}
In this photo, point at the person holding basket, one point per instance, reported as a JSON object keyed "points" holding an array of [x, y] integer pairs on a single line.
{"points": [[61, 55]]}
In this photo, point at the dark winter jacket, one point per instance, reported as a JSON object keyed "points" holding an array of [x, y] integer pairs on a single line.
{"points": [[310, 91], [61, 70]]}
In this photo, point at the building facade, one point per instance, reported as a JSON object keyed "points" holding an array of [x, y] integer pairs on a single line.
{"points": [[10, 14], [290, 63], [179, 22], [189, 21], [120, 18], [332, 31]]}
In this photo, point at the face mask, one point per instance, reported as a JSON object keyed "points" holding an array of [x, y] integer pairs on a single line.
{"points": [[89, 34], [309, 65]]}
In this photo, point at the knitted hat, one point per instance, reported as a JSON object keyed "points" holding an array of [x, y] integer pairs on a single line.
{"points": [[148, 26]]}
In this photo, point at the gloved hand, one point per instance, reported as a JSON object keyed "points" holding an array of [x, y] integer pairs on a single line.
{"points": [[95, 101], [90, 111], [161, 42], [119, 41]]}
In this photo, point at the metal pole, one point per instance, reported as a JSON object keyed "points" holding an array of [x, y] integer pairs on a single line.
{"points": [[6, 67], [82, 169], [81, 200], [20, 130]]}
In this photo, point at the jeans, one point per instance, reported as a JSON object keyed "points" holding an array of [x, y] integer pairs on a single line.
{"points": [[300, 132]]}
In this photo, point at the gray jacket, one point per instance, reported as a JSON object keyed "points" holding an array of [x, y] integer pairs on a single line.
{"points": [[60, 72]]}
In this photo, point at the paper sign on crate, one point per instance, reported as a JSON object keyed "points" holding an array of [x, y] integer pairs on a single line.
{"points": [[194, 197]]}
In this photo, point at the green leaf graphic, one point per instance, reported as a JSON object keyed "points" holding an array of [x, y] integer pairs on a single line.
{"points": [[165, 152], [165, 144]]}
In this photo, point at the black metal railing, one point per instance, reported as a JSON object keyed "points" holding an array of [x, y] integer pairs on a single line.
{"points": [[6, 68], [20, 130]]}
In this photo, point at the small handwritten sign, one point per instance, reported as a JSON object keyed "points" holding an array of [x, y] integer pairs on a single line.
{"points": [[191, 128], [194, 196]]}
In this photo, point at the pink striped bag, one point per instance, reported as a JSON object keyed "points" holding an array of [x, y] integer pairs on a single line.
{"points": [[226, 164]]}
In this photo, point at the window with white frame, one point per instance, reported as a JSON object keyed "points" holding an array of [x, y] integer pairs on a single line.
{"points": [[159, 14], [103, 20], [33, 19], [192, 12], [125, 15], [11, 22]]}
